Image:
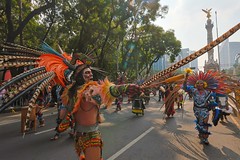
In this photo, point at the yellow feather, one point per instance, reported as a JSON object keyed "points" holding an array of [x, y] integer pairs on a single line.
{"points": [[174, 78], [107, 98], [188, 70]]}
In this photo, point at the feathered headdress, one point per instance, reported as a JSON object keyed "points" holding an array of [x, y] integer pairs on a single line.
{"points": [[212, 80]]}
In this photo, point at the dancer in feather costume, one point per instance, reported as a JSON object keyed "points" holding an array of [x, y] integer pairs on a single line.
{"points": [[82, 96], [204, 87]]}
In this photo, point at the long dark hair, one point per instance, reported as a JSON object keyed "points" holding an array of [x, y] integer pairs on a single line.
{"points": [[78, 80]]}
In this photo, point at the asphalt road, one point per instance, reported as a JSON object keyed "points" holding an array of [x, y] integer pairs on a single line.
{"points": [[127, 137]]}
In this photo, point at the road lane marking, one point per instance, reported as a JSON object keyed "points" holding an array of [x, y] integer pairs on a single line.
{"points": [[10, 121], [44, 131], [234, 121], [130, 144]]}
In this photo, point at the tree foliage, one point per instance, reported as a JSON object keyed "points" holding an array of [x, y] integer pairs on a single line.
{"points": [[18, 14], [151, 43], [106, 28]]}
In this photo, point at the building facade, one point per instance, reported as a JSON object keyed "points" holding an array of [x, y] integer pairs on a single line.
{"points": [[228, 52], [164, 62]]}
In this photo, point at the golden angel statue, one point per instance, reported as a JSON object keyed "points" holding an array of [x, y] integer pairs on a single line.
{"points": [[208, 11]]}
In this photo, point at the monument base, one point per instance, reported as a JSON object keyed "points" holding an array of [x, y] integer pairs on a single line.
{"points": [[211, 66]]}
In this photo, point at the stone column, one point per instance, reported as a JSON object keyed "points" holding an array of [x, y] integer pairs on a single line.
{"points": [[210, 64], [209, 27]]}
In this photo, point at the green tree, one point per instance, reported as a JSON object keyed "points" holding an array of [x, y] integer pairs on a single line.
{"points": [[17, 14], [21, 23], [103, 27], [151, 43]]}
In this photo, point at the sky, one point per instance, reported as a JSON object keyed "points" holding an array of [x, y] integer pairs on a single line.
{"points": [[188, 21]]}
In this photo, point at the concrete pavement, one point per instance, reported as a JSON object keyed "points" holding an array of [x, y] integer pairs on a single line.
{"points": [[12, 117]]}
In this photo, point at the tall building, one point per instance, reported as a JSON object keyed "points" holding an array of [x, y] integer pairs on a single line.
{"points": [[160, 64], [228, 51], [164, 62]]}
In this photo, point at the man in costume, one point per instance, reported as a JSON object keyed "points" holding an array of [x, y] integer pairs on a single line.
{"points": [[63, 121], [203, 100], [169, 101], [40, 104], [119, 103], [226, 110], [179, 99], [161, 91], [120, 80], [83, 99]]}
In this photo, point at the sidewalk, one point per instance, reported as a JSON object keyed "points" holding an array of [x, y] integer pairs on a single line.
{"points": [[12, 117]]}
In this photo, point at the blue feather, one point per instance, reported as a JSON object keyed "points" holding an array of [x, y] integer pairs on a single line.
{"points": [[46, 48]]}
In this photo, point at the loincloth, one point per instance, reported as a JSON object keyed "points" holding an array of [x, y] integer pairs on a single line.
{"points": [[85, 140]]}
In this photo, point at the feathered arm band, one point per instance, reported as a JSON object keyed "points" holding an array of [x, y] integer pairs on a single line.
{"points": [[111, 91]]}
